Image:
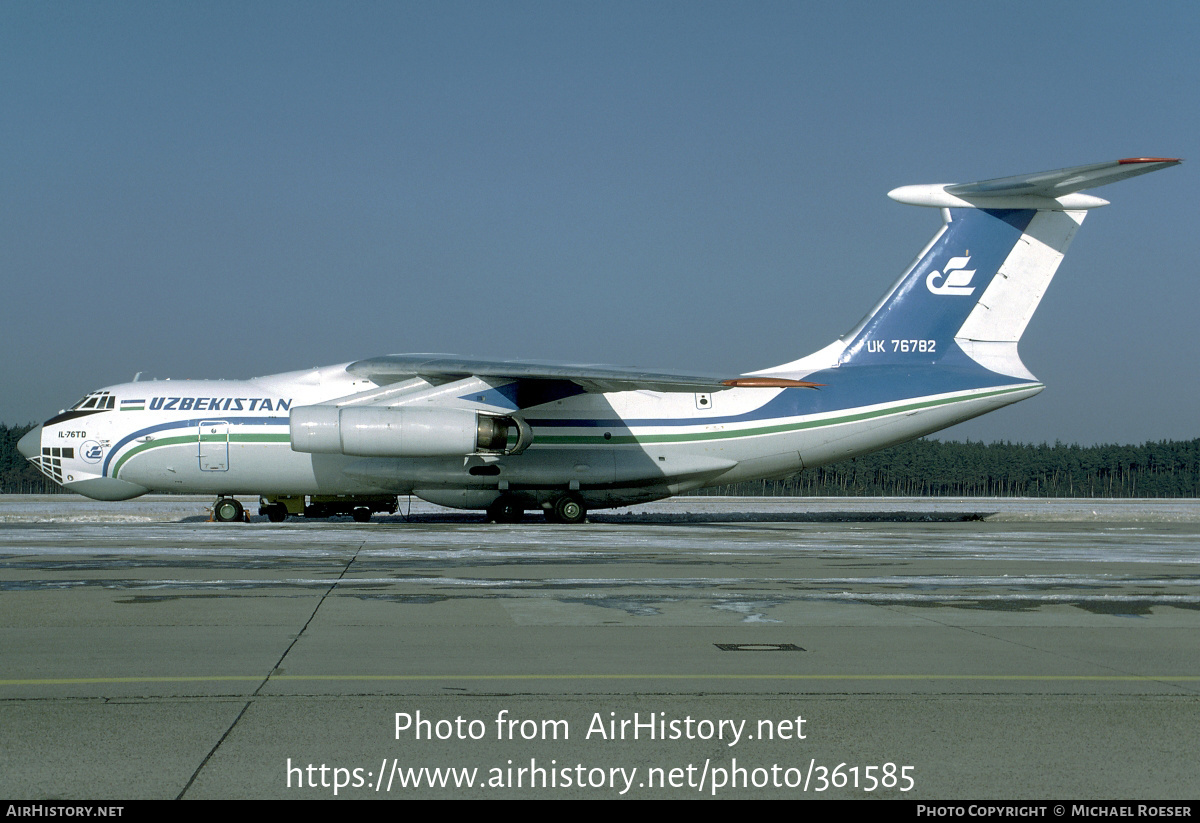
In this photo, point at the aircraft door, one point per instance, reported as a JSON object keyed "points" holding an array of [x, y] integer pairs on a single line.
{"points": [[214, 446]]}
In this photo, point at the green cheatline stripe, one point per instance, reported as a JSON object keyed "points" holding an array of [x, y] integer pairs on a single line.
{"points": [[1049, 678], [193, 438], [141, 447], [552, 439], [563, 439]]}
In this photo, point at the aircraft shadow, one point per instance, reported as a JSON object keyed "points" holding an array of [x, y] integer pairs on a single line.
{"points": [[657, 518]]}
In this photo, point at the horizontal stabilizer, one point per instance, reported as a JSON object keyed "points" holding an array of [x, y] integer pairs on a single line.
{"points": [[1040, 190], [1064, 181], [969, 296]]}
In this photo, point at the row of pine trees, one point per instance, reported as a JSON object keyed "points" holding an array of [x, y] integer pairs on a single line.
{"points": [[931, 468]]}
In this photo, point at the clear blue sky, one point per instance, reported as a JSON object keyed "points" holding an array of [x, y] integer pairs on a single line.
{"points": [[214, 189]]}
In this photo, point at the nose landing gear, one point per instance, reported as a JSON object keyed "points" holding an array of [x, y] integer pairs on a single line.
{"points": [[228, 510]]}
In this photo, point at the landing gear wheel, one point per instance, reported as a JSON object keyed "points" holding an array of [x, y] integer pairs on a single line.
{"points": [[567, 509], [275, 512], [361, 515], [505, 509], [227, 510]]}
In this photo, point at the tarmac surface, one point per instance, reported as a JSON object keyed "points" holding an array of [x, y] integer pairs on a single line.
{"points": [[700, 647]]}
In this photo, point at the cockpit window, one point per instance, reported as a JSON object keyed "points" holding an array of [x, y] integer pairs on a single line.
{"points": [[98, 400]]}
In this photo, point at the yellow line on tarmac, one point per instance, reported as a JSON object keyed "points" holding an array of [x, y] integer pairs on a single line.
{"points": [[70, 681], [1049, 678]]}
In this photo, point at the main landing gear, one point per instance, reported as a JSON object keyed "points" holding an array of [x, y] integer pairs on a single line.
{"points": [[566, 509], [275, 512], [505, 509]]}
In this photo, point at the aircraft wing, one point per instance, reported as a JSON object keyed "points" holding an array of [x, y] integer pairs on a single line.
{"points": [[439, 368]]}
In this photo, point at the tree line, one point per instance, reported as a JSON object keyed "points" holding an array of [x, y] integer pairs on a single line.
{"points": [[17, 475], [924, 468], [932, 468]]}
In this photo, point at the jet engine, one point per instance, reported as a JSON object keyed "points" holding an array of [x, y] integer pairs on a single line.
{"points": [[371, 431]]}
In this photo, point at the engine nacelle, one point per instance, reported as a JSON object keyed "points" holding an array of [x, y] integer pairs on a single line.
{"points": [[371, 431]]}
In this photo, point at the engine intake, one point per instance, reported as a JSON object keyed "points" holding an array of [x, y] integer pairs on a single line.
{"points": [[371, 431]]}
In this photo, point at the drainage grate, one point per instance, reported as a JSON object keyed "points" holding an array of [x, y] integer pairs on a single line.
{"points": [[758, 647]]}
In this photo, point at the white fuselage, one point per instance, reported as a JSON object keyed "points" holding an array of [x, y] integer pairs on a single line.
{"points": [[232, 437]]}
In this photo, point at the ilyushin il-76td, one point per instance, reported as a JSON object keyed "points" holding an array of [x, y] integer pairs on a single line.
{"points": [[508, 437]]}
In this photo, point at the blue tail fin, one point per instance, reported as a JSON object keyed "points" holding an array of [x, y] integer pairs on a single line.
{"points": [[970, 294], [919, 319]]}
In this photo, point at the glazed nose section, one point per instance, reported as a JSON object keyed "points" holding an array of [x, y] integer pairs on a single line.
{"points": [[30, 446]]}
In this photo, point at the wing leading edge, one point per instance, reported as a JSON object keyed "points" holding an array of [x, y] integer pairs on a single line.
{"points": [[393, 368]]}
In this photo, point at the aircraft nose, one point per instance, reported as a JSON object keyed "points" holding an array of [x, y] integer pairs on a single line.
{"points": [[31, 444]]}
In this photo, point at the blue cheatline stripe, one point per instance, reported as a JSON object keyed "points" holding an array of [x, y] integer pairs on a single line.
{"points": [[846, 389], [775, 424], [185, 424], [784, 413]]}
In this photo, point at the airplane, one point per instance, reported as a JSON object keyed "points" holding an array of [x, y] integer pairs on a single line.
{"points": [[506, 437]]}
